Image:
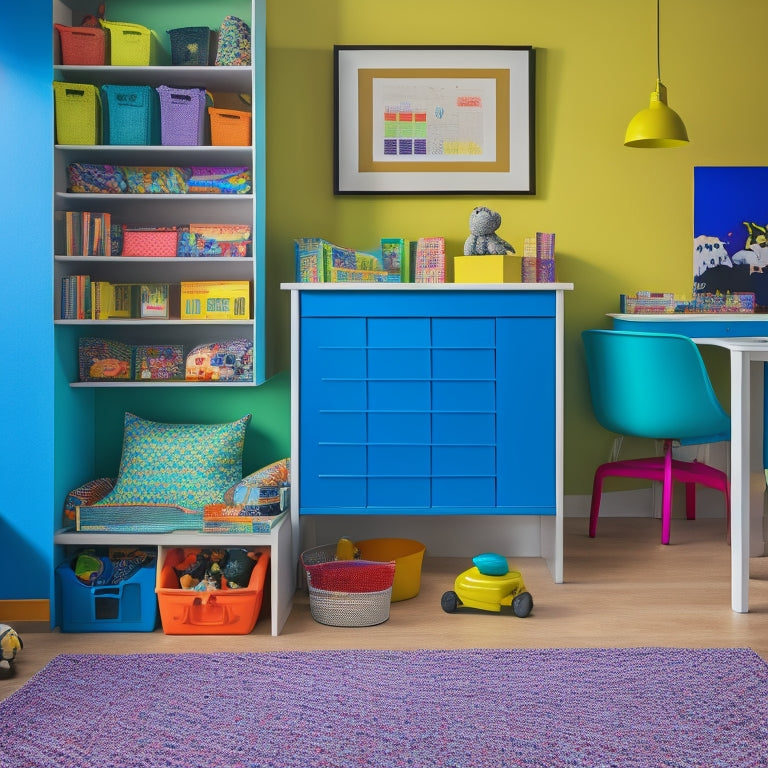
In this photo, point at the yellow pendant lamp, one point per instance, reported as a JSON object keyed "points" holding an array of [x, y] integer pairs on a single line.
{"points": [[657, 125]]}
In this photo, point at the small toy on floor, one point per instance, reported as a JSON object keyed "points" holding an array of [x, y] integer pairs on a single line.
{"points": [[488, 585], [10, 644]]}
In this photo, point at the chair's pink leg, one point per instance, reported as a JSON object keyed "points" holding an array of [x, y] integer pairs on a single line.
{"points": [[594, 511], [666, 504], [690, 501]]}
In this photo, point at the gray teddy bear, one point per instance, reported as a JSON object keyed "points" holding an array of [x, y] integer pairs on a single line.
{"points": [[483, 223]]}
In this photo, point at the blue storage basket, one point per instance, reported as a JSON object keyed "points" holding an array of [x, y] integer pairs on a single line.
{"points": [[131, 114], [129, 606]]}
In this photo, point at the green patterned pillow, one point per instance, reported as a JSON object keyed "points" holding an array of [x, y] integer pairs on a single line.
{"points": [[187, 465]]}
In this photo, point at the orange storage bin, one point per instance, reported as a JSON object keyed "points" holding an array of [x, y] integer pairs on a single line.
{"points": [[219, 612], [230, 128]]}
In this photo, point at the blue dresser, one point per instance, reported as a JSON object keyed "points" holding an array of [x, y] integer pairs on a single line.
{"points": [[414, 399]]}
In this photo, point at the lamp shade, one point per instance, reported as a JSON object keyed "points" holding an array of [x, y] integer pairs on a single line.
{"points": [[657, 125]]}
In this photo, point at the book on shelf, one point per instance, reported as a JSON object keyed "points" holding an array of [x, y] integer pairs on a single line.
{"points": [[545, 257], [528, 267], [88, 233], [396, 259], [215, 300], [429, 264]]}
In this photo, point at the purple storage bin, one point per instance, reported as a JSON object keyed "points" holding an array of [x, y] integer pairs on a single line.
{"points": [[182, 116]]}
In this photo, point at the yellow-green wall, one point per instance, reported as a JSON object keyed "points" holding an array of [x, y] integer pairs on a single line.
{"points": [[623, 217]]}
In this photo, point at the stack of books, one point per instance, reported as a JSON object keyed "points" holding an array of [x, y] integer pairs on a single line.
{"points": [[76, 297], [319, 261], [88, 233]]}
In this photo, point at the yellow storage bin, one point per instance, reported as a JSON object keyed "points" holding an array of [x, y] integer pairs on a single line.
{"points": [[408, 556], [487, 269], [78, 113], [131, 45]]}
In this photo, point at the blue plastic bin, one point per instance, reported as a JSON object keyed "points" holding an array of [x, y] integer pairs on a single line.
{"points": [[130, 606], [131, 114]]}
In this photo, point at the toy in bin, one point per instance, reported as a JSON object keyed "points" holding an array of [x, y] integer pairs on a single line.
{"points": [[488, 585]]}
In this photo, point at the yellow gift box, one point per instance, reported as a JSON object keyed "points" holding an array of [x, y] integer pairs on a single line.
{"points": [[505, 268]]}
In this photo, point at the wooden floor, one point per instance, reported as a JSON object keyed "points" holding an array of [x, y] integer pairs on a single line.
{"points": [[621, 589]]}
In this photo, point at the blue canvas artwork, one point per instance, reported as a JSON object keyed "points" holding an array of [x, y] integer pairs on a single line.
{"points": [[730, 231]]}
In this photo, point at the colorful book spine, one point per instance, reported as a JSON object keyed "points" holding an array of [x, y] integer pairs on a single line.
{"points": [[310, 265], [528, 274], [430, 260], [395, 259], [545, 257]]}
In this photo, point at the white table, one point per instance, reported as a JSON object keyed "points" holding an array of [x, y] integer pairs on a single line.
{"points": [[746, 338], [744, 413]]}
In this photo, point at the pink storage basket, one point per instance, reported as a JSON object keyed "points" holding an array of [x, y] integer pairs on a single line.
{"points": [[158, 242], [182, 116]]}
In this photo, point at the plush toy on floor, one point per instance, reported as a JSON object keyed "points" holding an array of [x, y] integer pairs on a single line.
{"points": [[10, 644], [483, 240]]}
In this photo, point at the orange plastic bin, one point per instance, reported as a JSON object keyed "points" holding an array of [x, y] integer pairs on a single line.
{"points": [[219, 612]]}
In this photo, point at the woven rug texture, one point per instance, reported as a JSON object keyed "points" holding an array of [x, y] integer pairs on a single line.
{"points": [[575, 708]]}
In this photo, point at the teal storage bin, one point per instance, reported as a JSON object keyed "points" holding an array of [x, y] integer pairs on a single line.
{"points": [[131, 114], [129, 606]]}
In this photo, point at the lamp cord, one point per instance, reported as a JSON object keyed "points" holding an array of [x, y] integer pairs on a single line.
{"points": [[658, 41]]}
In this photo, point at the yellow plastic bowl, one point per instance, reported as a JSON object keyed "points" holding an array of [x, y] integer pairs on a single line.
{"points": [[408, 556]]}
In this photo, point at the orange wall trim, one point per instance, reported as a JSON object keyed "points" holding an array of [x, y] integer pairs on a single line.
{"points": [[24, 610]]}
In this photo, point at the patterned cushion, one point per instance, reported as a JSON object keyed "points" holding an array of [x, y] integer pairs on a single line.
{"points": [[251, 489], [187, 465]]}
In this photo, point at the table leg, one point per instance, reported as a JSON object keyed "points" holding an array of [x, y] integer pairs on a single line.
{"points": [[740, 480]]}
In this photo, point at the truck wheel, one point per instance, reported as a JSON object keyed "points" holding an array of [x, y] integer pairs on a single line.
{"points": [[449, 602], [522, 605]]}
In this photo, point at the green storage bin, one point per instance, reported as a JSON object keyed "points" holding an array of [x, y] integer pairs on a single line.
{"points": [[78, 113]]}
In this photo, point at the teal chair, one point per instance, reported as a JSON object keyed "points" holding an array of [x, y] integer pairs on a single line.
{"points": [[655, 385]]}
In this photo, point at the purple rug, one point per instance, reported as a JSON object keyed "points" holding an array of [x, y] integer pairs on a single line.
{"points": [[596, 708]]}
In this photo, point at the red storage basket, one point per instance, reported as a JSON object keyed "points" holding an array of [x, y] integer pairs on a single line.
{"points": [[347, 593], [82, 45]]}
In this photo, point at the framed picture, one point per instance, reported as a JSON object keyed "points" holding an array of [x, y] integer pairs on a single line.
{"points": [[430, 120]]}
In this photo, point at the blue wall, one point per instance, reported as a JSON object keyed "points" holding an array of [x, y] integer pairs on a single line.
{"points": [[26, 383]]}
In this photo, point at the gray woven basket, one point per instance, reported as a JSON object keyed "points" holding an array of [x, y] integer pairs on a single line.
{"points": [[349, 609], [342, 608]]}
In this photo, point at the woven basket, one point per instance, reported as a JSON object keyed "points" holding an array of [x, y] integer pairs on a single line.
{"points": [[131, 114], [130, 44], [78, 113], [157, 242], [182, 116], [230, 128], [347, 593], [82, 45], [190, 46]]}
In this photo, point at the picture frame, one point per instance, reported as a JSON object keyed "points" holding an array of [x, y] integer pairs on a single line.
{"points": [[434, 120]]}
